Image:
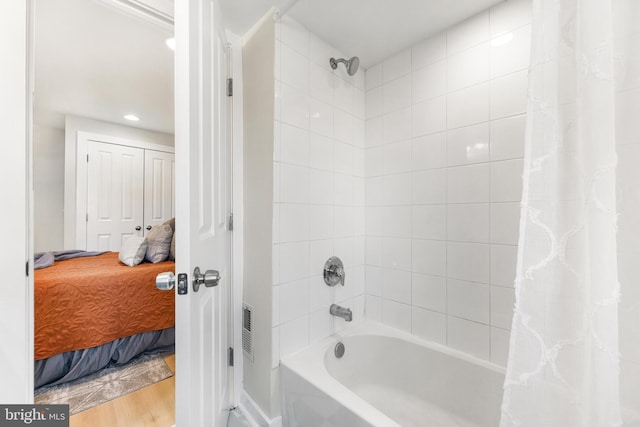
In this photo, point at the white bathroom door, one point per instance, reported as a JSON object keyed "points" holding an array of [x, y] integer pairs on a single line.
{"points": [[202, 389], [115, 191]]}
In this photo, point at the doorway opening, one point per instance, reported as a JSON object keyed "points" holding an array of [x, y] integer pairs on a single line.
{"points": [[95, 67]]}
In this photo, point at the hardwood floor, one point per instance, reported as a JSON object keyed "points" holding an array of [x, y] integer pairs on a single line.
{"points": [[151, 406]]}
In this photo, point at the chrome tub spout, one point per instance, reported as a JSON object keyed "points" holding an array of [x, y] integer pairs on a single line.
{"points": [[343, 312]]}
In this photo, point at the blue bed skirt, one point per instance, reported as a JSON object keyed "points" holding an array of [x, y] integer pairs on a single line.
{"points": [[71, 365]]}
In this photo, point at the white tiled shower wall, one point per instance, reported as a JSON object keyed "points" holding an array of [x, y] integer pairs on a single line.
{"points": [[412, 176], [318, 188], [443, 160]]}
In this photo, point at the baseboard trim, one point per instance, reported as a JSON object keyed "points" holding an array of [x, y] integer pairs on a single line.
{"points": [[254, 413]]}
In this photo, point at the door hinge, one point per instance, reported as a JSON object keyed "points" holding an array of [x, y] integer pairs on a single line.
{"points": [[230, 222], [229, 87], [230, 356], [27, 269], [87, 158], [86, 218]]}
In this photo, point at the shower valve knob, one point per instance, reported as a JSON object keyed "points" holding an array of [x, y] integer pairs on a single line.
{"points": [[334, 272]]}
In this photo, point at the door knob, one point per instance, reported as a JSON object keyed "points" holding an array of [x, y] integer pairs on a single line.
{"points": [[210, 278], [138, 228], [165, 281], [148, 227]]}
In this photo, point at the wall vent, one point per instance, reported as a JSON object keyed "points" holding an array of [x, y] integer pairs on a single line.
{"points": [[247, 331]]}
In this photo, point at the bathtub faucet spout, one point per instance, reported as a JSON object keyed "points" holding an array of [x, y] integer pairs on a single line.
{"points": [[343, 312]]}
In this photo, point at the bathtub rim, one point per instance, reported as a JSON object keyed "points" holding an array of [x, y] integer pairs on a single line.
{"points": [[371, 327], [309, 364]]}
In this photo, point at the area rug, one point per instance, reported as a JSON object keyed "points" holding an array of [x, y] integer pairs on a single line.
{"points": [[105, 385]]}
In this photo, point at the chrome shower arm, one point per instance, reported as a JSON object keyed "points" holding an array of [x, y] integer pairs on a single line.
{"points": [[334, 62]]}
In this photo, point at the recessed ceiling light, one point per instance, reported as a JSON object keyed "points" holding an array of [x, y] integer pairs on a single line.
{"points": [[132, 117], [171, 43], [502, 39]]}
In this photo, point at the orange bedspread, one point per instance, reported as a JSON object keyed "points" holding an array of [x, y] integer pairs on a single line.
{"points": [[86, 302]]}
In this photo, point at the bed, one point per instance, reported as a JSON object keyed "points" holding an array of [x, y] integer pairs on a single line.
{"points": [[95, 311]]}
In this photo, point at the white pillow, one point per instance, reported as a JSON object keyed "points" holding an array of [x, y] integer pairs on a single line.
{"points": [[158, 243], [133, 250]]}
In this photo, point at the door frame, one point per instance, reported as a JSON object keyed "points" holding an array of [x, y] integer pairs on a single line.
{"points": [[22, 392], [16, 318], [237, 236]]}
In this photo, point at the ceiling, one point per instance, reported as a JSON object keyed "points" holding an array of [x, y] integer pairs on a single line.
{"points": [[371, 29], [100, 62]]}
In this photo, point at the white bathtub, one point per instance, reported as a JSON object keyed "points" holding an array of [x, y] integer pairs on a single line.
{"points": [[388, 378]]}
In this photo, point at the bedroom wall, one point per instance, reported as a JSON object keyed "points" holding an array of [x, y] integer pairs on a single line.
{"points": [[73, 124], [48, 188]]}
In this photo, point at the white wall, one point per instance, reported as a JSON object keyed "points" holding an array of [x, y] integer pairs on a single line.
{"points": [[73, 124], [48, 188], [258, 92], [444, 146], [318, 188], [628, 205]]}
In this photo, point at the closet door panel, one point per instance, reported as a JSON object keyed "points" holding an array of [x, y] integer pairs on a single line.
{"points": [[115, 184], [159, 187]]}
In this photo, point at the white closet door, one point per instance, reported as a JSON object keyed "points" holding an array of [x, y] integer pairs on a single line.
{"points": [[159, 179], [115, 185]]}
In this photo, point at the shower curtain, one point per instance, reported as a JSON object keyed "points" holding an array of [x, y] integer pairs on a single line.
{"points": [[575, 325]]}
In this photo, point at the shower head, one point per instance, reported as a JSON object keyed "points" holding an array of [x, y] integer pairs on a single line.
{"points": [[351, 64]]}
